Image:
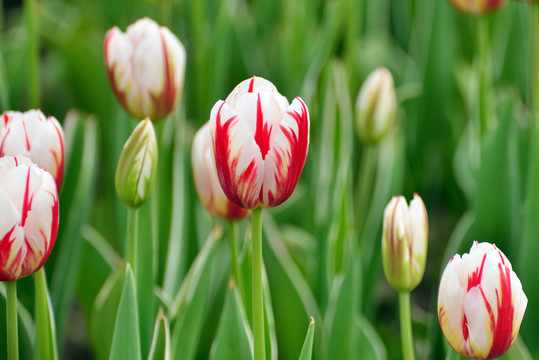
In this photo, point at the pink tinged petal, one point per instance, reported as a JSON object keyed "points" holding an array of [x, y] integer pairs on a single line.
{"points": [[237, 156], [286, 158]]}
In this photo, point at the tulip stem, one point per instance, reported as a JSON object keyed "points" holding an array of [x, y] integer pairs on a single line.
{"points": [[406, 326], [132, 220], [232, 243], [484, 79], [258, 292], [33, 53], [11, 317]]}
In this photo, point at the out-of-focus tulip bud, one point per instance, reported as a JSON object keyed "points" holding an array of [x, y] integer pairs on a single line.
{"points": [[480, 302], [404, 242], [146, 68], [137, 165], [206, 181], [36, 136], [260, 143], [29, 220], [477, 6], [376, 106]]}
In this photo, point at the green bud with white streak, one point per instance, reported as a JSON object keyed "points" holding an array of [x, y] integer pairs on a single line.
{"points": [[137, 165]]}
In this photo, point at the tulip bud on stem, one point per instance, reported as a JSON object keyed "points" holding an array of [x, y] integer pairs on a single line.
{"points": [[258, 292], [406, 326], [11, 319]]}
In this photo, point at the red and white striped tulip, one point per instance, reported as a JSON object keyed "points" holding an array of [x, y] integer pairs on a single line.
{"points": [[260, 143], [206, 181], [29, 221], [36, 136], [477, 6], [146, 68], [480, 302]]}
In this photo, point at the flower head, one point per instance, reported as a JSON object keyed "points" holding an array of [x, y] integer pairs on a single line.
{"points": [[404, 242], [477, 6], [146, 68], [137, 165], [206, 182], [29, 221], [480, 302], [260, 143], [36, 136]]}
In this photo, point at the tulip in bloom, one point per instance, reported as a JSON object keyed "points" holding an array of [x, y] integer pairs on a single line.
{"points": [[477, 6], [480, 302], [146, 67], [404, 242], [36, 136], [137, 165], [206, 181], [29, 221], [260, 143], [376, 105]]}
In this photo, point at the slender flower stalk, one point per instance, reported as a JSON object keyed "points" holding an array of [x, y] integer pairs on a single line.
{"points": [[12, 326], [258, 290], [406, 326], [132, 238]]}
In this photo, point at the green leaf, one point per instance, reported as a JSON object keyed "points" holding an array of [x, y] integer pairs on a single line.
{"points": [[307, 349], [234, 338], [369, 346], [517, 351], [45, 345], [126, 338], [160, 348]]}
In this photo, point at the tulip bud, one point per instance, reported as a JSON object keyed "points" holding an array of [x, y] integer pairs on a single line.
{"points": [[146, 68], [376, 106], [35, 136], [404, 242], [206, 182], [260, 143], [137, 165], [480, 302], [29, 220], [477, 7]]}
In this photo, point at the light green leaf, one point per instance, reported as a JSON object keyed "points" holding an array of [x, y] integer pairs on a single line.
{"points": [[160, 348], [369, 346], [307, 349], [45, 345]]}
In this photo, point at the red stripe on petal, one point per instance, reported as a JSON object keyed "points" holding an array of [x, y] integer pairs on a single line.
{"points": [[165, 102], [263, 129], [475, 278], [5, 252], [3, 142], [251, 84], [58, 158], [27, 200]]}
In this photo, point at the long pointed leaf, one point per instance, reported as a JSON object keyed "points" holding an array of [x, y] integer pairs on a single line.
{"points": [[160, 348], [307, 349]]}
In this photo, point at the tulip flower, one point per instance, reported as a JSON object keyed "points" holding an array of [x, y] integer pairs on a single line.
{"points": [[146, 68], [260, 143], [29, 221], [206, 181], [404, 242], [137, 165], [376, 106], [36, 136], [480, 302], [477, 6]]}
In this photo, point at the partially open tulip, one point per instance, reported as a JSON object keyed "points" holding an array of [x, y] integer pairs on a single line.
{"points": [[137, 165], [146, 68], [206, 182], [260, 143], [36, 136], [477, 6], [376, 106], [404, 242], [480, 302], [29, 220]]}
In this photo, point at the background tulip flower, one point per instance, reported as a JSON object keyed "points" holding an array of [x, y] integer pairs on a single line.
{"points": [[477, 6], [146, 68], [480, 302], [404, 242], [137, 165], [376, 105], [260, 143], [206, 181], [29, 221], [36, 136]]}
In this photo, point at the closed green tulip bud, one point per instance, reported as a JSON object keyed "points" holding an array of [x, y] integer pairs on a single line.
{"points": [[137, 165], [404, 242], [376, 105]]}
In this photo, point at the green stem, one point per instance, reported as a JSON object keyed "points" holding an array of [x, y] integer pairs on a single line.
{"points": [[11, 317], [406, 326], [258, 292], [484, 81], [232, 243], [131, 252], [33, 53]]}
